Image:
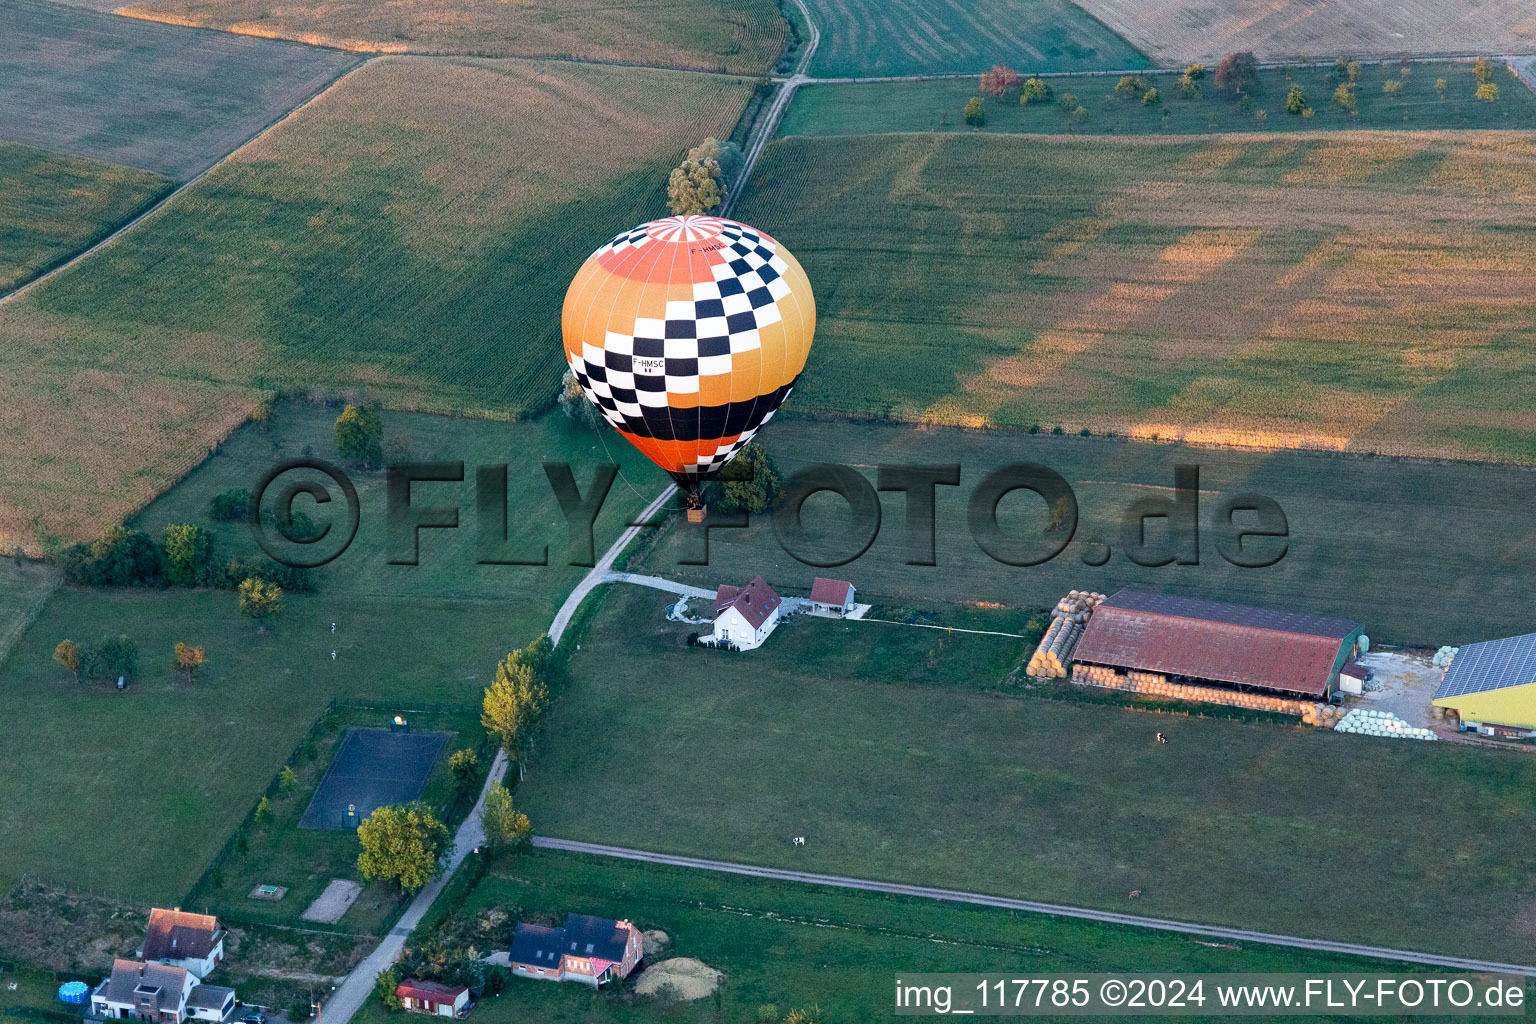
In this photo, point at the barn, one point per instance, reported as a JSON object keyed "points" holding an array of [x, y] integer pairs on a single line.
{"points": [[1492, 687], [1189, 640]]}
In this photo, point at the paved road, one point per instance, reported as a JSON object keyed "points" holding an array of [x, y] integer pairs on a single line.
{"points": [[768, 125], [657, 583], [1082, 913], [604, 566]]}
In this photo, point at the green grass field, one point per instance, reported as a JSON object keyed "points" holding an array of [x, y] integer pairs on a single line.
{"points": [[1367, 291], [402, 635], [408, 233], [1265, 826], [158, 97], [794, 946], [1363, 532], [866, 37], [52, 206], [937, 106], [305, 860]]}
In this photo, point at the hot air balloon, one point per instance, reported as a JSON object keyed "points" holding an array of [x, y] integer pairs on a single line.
{"points": [[688, 333]]}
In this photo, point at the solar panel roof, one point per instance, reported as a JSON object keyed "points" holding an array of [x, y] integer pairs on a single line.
{"points": [[1490, 665]]}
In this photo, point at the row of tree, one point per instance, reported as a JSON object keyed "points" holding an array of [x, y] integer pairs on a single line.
{"points": [[114, 656]]}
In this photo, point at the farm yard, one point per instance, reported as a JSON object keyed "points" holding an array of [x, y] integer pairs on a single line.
{"points": [[736, 36], [1362, 532], [52, 206], [429, 633], [160, 98], [1178, 31], [938, 105], [706, 755], [794, 945], [1360, 291], [378, 245], [869, 37]]}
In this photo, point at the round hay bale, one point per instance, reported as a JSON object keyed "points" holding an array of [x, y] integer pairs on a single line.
{"points": [[681, 978], [656, 942]]}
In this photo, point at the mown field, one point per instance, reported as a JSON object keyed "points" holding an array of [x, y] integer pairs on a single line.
{"points": [[411, 232], [738, 36], [1265, 826], [795, 946], [1175, 31], [1359, 291], [868, 37], [938, 106], [402, 635], [161, 98], [52, 206]]}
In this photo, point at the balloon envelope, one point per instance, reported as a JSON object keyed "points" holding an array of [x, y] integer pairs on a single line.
{"points": [[688, 333]]}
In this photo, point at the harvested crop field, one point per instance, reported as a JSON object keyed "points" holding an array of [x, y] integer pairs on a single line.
{"points": [[872, 37], [412, 231], [1347, 291], [52, 206], [737, 36], [157, 97], [1175, 31]]}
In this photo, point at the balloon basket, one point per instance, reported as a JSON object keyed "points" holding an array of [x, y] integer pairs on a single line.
{"points": [[696, 514]]}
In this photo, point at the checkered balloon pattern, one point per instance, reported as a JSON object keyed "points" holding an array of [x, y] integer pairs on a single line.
{"points": [[688, 333]]}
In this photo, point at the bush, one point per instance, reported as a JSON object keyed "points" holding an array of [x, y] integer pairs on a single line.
{"points": [[1195, 72], [1130, 85], [1344, 96], [1295, 100], [1440, 86], [1187, 88], [1080, 114], [975, 114], [1483, 69], [237, 570], [1068, 102], [231, 505], [188, 555], [1391, 86], [360, 434], [109, 658], [1035, 91], [118, 558], [1488, 92], [1150, 97]]}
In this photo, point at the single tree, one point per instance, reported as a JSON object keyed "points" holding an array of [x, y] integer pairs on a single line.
{"points": [[189, 659], [188, 554], [1237, 72], [287, 778], [1295, 100], [385, 988], [260, 600], [1344, 96], [698, 184], [750, 483], [263, 811], [68, 655], [1195, 72], [1352, 70], [1000, 81], [230, 505], [572, 399], [512, 703], [1130, 85], [1391, 86], [975, 114], [1483, 69], [465, 765], [403, 844], [505, 826], [111, 657], [1440, 87], [1035, 90], [360, 434], [1151, 97], [1488, 92]]}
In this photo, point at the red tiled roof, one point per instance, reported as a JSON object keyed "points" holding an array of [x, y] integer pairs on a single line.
{"points": [[756, 601], [178, 934], [1211, 640], [825, 591], [431, 991]]}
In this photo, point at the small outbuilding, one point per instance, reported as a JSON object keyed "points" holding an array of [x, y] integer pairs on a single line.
{"points": [[433, 998], [831, 597], [745, 616], [1492, 687]]}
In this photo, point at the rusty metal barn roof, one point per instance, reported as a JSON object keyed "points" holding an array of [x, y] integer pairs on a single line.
{"points": [[1227, 643]]}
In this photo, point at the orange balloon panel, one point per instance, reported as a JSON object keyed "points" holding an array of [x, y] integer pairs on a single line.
{"points": [[688, 333]]}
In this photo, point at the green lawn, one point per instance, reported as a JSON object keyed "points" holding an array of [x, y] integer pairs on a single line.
{"points": [[1363, 532], [428, 633], [24, 589], [1267, 826], [867, 37], [279, 852], [407, 233], [1367, 291], [52, 206], [937, 106], [166, 98], [796, 945]]}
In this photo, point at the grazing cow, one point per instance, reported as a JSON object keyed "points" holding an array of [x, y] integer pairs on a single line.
{"points": [[1134, 893], [1161, 738], [798, 841]]}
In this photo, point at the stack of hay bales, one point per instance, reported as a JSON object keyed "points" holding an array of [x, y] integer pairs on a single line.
{"points": [[1381, 723], [1443, 656], [1068, 618], [1157, 685], [1324, 716]]}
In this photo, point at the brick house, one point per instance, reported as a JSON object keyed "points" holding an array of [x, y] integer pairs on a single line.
{"points": [[587, 949], [159, 993], [193, 942]]}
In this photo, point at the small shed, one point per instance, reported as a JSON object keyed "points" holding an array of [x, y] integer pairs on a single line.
{"points": [[1353, 677], [831, 597], [433, 998]]}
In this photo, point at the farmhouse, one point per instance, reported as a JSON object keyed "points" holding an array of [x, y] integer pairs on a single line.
{"points": [[1184, 639], [1492, 686], [157, 992], [831, 597], [194, 942], [433, 998], [588, 949], [744, 616]]}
